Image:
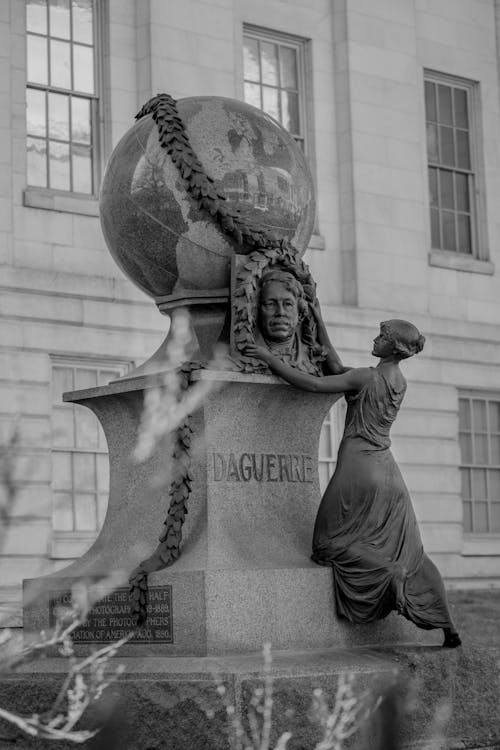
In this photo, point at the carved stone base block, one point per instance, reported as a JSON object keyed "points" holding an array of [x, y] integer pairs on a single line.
{"points": [[244, 576]]}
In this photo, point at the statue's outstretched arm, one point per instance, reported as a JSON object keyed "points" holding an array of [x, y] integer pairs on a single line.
{"points": [[352, 380]]}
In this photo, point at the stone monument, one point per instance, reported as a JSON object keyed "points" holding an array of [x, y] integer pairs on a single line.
{"points": [[208, 205], [197, 236]]}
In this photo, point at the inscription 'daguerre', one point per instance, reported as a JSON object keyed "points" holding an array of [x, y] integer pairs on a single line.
{"points": [[262, 467], [110, 618]]}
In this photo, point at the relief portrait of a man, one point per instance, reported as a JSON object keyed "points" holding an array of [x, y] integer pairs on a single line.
{"points": [[283, 322]]}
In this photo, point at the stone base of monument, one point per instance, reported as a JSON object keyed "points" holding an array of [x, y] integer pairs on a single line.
{"points": [[176, 703], [225, 612]]}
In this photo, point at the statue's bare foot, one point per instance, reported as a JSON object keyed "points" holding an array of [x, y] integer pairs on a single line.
{"points": [[451, 640]]}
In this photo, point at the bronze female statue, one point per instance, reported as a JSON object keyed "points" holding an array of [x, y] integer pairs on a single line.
{"points": [[366, 527]]}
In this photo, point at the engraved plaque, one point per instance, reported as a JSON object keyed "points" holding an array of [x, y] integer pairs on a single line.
{"points": [[110, 618]]}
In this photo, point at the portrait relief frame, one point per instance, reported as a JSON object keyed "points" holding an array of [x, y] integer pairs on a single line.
{"points": [[247, 272]]}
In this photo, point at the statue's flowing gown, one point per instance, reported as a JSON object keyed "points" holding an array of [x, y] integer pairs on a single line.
{"points": [[366, 527]]}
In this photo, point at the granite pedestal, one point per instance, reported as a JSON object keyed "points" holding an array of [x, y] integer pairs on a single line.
{"points": [[244, 576]]}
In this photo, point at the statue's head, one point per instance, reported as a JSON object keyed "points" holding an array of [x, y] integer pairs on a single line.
{"points": [[402, 337], [281, 305]]}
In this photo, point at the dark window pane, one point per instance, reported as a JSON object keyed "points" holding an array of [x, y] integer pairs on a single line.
{"points": [[251, 60], [63, 427], [467, 517], [466, 447], [83, 22], [82, 169], [80, 120], [461, 114], [62, 512], [445, 109], [59, 116], [85, 378], [83, 69], [37, 59], [37, 162], [464, 414], [433, 187], [481, 450], [85, 476], [462, 191], [252, 94], [87, 435], [62, 476], [290, 111], [463, 151], [270, 102], [479, 484], [495, 518], [432, 144], [430, 101], [466, 488], [36, 16], [447, 149], [435, 237], [448, 224], [494, 410], [494, 485], [60, 70], [464, 234], [36, 123], [85, 512], [59, 18], [446, 189], [495, 449], [58, 166], [62, 381], [269, 62], [479, 416], [480, 517], [288, 67]]}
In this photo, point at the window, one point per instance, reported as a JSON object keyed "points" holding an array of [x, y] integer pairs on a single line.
{"points": [[273, 72], [479, 431], [61, 96], [80, 469], [451, 164], [329, 441]]}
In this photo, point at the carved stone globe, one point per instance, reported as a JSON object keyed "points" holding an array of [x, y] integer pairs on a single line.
{"points": [[156, 231]]}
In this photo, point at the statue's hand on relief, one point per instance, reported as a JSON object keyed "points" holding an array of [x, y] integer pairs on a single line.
{"points": [[259, 352]]}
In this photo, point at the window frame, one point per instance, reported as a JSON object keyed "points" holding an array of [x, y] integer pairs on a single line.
{"points": [[300, 44], [478, 260], [306, 100], [45, 197], [478, 542], [66, 544]]}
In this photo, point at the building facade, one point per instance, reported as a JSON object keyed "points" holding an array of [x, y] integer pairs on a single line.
{"points": [[397, 106]]}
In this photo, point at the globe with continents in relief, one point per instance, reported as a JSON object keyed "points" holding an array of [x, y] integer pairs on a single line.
{"points": [[157, 233]]}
